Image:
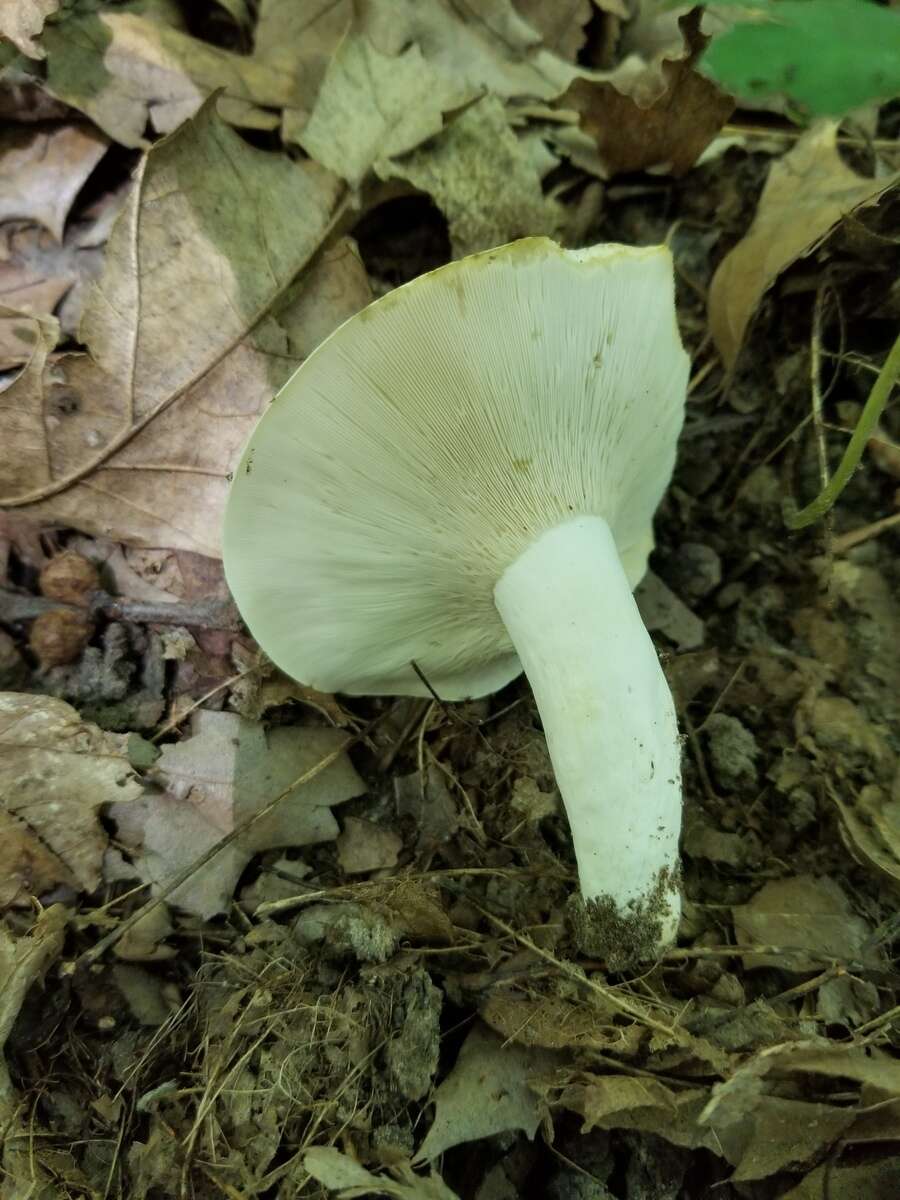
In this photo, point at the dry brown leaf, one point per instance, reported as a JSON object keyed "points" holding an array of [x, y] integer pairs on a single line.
{"points": [[806, 194], [196, 321], [350, 1180], [875, 1180], [25, 341], [364, 846], [21, 21], [561, 22], [373, 106], [801, 914], [659, 116], [300, 39], [482, 178], [42, 171], [56, 771], [125, 69], [489, 48], [486, 1092], [556, 1024], [23, 961], [225, 773]]}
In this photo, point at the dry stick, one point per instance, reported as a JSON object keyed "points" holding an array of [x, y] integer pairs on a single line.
{"points": [[874, 406], [815, 387], [97, 951], [855, 537], [204, 614]]}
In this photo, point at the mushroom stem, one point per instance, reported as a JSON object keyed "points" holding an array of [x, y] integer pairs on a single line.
{"points": [[611, 730]]}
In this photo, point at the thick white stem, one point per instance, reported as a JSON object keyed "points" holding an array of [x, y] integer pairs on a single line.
{"points": [[610, 724]]}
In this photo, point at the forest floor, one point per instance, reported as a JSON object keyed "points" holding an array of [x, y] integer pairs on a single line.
{"points": [[373, 988]]}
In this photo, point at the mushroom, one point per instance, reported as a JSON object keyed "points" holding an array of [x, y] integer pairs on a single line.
{"points": [[461, 479]]}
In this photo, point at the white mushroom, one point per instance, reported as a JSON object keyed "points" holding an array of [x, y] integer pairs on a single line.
{"points": [[463, 477]]}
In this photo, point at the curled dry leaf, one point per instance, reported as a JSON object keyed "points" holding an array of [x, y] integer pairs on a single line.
{"points": [[43, 170], [21, 21], [806, 194], [56, 771], [215, 781], [656, 116], [197, 320]]}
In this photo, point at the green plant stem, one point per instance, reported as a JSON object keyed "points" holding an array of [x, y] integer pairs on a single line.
{"points": [[874, 407]]}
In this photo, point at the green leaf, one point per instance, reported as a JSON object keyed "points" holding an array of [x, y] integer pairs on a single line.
{"points": [[826, 56]]}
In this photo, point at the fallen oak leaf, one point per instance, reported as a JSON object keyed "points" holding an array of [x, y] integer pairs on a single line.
{"points": [[56, 771], [806, 194], [197, 319]]}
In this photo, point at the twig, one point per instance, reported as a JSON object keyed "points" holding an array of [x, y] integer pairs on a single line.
{"points": [[203, 614], [854, 537]]}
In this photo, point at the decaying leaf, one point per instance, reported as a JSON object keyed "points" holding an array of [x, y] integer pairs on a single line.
{"points": [[486, 1092], [21, 21], [43, 170], [299, 40], [56, 771], [555, 1024], [197, 319], [25, 341], [125, 69], [225, 773], [373, 106], [810, 920], [489, 49], [41, 275], [364, 846], [658, 116], [338, 1172], [483, 180], [875, 1180], [806, 194], [23, 961]]}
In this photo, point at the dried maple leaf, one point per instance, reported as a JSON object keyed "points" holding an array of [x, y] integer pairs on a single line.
{"points": [[55, 773], [652, 116], [198, 318], [806, 194]]}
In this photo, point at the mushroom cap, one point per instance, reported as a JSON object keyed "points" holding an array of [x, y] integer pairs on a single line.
{"points": [[430, 439]]}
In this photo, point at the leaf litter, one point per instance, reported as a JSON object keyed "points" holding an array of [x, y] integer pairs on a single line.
{"points": [[305, 943]]}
